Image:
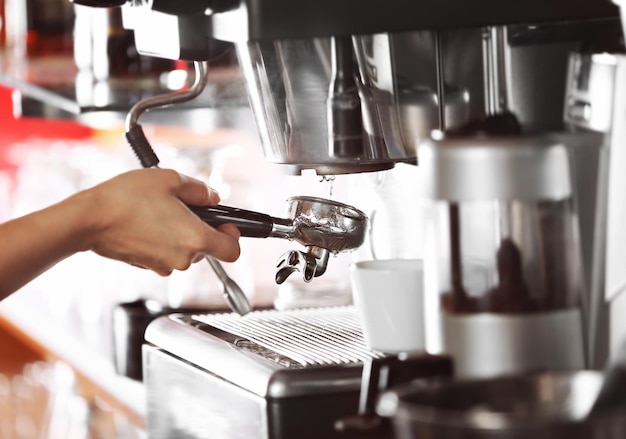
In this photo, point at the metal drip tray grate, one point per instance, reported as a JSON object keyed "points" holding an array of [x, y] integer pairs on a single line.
{"points": [[314, 336]]}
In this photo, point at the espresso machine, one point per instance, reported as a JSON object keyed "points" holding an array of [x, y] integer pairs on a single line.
{"points": [[513, 112]]}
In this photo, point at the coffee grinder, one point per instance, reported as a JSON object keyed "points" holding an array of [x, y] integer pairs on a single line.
{"points": [[504, 279]]}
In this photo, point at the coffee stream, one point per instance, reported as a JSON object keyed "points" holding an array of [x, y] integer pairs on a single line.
{"points": [[330, 179]]}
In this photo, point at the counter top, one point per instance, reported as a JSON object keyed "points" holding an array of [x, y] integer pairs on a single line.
{"points": [[55, 339]]}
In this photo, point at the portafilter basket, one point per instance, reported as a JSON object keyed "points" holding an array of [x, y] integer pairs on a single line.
{"points": [[322, 226]]}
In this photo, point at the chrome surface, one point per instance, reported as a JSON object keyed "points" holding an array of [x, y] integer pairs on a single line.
{"points": [[271, 353], [165, 100], [311, 263], [615, 278], [315, 336], [419, 112], [595, 106], [283, 229], [537, 406], [327, 224], [288, 83], [496, 60], [234, 295], [323, 227], [590, 91]]}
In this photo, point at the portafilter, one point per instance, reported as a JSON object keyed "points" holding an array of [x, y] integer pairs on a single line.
{"points": [[322, 226]]}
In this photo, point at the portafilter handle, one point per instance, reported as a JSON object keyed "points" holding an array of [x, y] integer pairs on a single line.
{"points": [[250, 224], [99, 3]]}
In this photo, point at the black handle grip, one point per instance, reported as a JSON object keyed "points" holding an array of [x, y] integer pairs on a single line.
{"points": [[250, 224], [138, 141], [177, 7], [99, 3]]}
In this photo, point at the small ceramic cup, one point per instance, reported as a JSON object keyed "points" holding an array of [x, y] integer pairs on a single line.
{"points": [[388, 295]]}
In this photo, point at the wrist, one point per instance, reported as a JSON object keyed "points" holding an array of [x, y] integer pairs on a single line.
{"points": [[81, 216]]}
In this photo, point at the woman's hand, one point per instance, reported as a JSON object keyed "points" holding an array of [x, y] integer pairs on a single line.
{"points": [[139, 217]]}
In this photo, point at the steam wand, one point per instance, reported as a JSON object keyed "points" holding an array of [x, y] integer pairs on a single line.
{"points": [[235, 297]]}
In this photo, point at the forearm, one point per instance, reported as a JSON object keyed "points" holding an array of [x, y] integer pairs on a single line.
{"points": [[33, 243], [139, 218]]}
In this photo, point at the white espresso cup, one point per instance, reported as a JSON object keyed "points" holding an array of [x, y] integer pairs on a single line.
{"points": [[388, 295]]}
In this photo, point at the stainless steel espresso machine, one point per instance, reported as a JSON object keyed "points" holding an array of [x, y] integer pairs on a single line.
{"points": [[512, 111]]}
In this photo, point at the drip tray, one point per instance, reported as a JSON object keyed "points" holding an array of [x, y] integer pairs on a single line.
{"points": [[271, 353], [317, 336]]}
